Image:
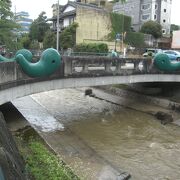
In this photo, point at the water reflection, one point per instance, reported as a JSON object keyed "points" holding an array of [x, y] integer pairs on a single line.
{"points": [[130, 140]]}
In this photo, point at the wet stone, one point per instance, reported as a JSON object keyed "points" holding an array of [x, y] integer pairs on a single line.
{"points": [[164, 117]]}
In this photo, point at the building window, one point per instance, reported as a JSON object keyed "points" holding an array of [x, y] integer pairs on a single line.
{"points": [[164, 20], [156, 6], [155, 17], [145, 17], [145, 6], [165, 10], [164, 31]]}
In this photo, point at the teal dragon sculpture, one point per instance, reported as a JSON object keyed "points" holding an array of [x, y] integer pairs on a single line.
{"points": [[163, 63], [49, 62]]}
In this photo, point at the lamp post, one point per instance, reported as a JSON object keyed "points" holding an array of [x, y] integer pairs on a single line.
{"points": [[57, 36]]}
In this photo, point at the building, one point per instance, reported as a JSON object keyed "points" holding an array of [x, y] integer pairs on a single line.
{"points": [[176, 40], [22, 18], [145, 10], [93, 21]]}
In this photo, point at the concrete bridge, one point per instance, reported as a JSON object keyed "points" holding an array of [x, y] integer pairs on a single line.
{"points": [[79, 72]]}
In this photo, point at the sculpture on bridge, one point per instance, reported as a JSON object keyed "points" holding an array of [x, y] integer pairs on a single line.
{"points": [[26, 53], [50, 61], [163, 63]]}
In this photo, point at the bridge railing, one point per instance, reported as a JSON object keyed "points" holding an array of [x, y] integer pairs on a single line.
{"points": [[98, 66], [77, 66]]}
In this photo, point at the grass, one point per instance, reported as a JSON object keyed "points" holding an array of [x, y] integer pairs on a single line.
{"points": [[41, 163]]}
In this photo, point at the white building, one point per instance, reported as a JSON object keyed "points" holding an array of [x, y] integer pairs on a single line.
{"points": [[142, 11]]}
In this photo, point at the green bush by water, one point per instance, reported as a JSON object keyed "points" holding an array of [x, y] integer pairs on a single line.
{"points": [[44, 165], [41, 163]]}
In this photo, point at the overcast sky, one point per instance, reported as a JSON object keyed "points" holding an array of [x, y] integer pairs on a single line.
{"points": [[35, 7]]}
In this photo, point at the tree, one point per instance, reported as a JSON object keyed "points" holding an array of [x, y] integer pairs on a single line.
{"points": [[174, 27], [39, 27], [49, 40], [122, 1], [67, 36], [25, 41], [153, 28], [6, 24]]}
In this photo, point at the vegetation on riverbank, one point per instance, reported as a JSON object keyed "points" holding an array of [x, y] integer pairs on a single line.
{"points": [[41, 163]]}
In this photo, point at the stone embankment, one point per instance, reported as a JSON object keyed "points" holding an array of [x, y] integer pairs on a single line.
{"points": [[11, 164]]}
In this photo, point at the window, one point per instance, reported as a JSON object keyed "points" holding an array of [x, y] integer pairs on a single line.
{"points": [[145, 6], [155, 17], [156, 6], [164, 31], [164, 20], [145, 17], [165, 10]]}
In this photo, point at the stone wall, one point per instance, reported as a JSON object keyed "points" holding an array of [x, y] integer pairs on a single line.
{"points": [[11, 163]]}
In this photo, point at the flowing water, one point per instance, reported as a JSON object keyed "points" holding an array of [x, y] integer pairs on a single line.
{"points": [[133, 141]]}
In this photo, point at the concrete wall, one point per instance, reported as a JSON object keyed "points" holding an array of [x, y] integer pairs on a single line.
{"points": [[11, 164], [93, 24]]}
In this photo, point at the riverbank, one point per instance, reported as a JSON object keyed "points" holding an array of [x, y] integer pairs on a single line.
{"points": [[165, 110], [121, 137], [40, 162]]}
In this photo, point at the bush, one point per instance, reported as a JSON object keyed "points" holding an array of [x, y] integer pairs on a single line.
{"points": [[135, 39], [91, 47]]}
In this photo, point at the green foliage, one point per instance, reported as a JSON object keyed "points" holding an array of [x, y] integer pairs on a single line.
{"points": [[34, 44], [68, 36], [39, 27], [7, 25], [44, 165], [5, 9], [174, 27], [40, 162], [120, 23], [49, 40], [135, 39], [25, 41], [122, 1], [91, 47], [153, 28]]}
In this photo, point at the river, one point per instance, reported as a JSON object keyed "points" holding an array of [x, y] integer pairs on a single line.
{"points": [[128, 139]]}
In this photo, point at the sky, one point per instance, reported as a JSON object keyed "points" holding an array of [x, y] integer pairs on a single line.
{"points": [[35, 7]]}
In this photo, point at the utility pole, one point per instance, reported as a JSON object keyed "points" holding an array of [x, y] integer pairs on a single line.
{"points": [[57, 36]]}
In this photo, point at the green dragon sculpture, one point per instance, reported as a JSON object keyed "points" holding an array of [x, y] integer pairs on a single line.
{"points": [[163, 63], [49, 62]]}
